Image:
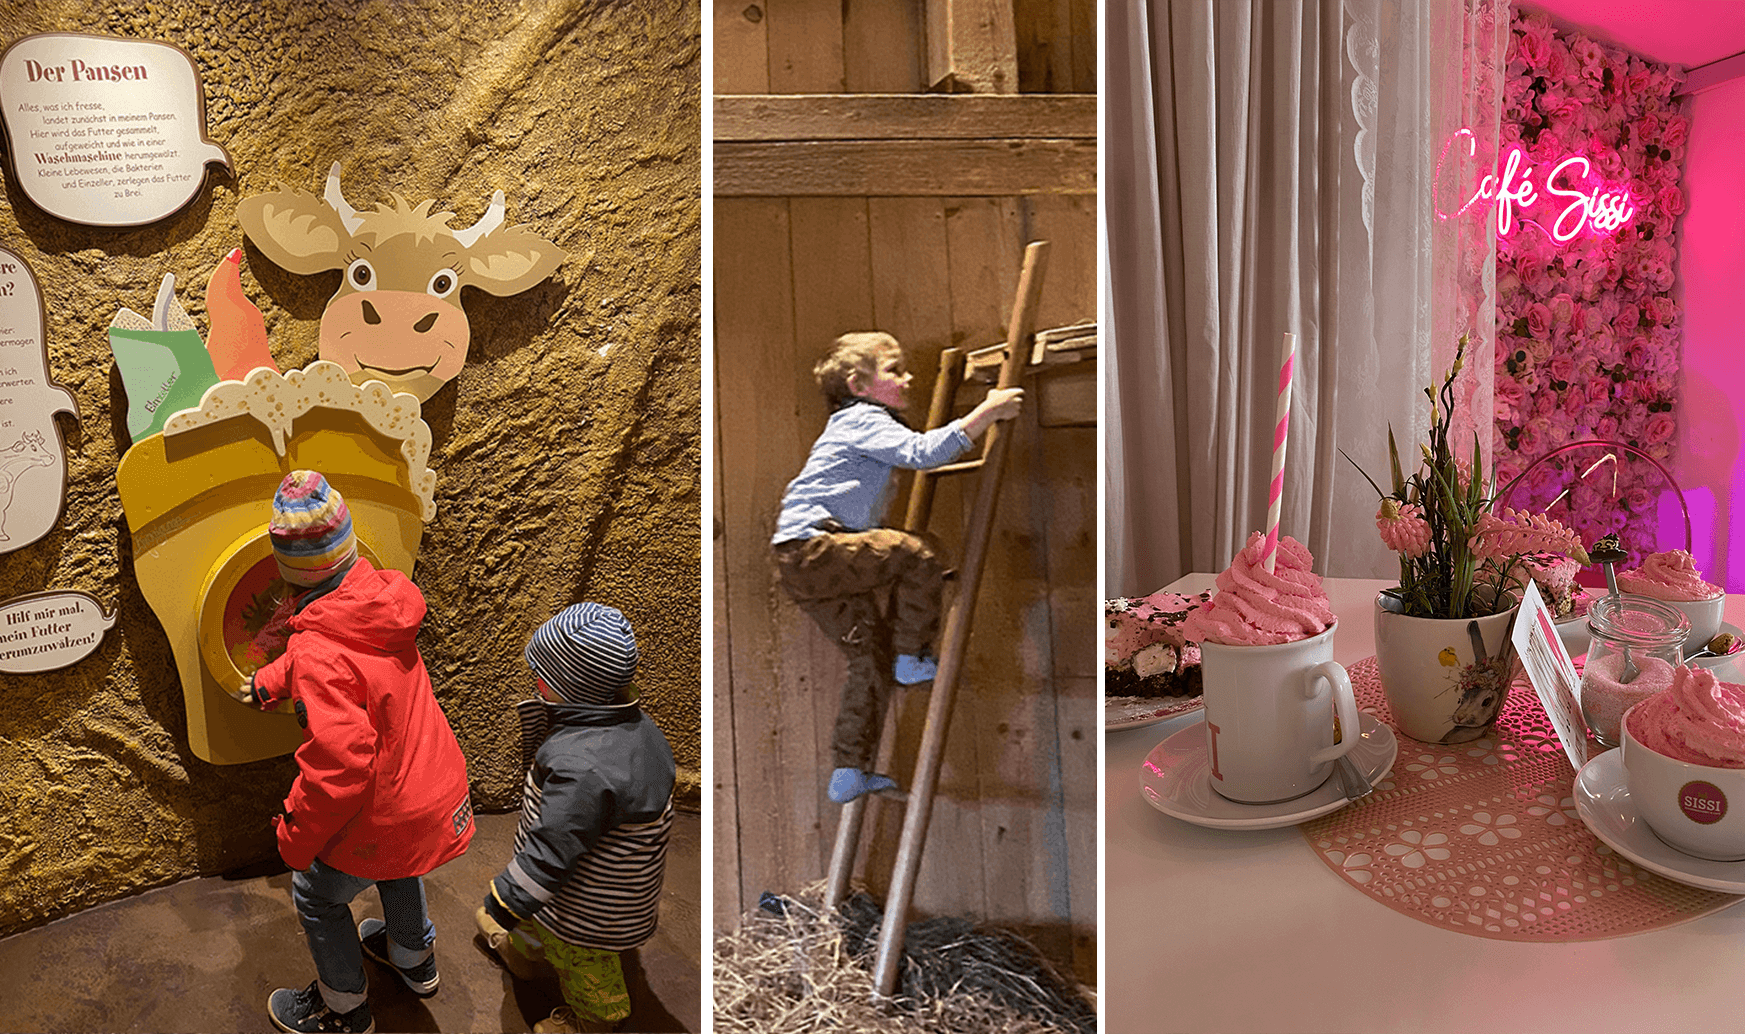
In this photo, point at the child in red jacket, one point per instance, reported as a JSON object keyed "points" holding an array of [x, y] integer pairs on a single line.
{"points": [[381, 791]]}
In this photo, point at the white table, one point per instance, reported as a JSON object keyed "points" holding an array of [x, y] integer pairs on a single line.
{"points": [[1217, 930]]}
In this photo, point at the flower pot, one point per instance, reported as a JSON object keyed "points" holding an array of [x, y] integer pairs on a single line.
{"points": [[1445, 679]]}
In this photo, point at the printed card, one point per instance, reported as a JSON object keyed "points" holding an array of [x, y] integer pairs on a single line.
{"points": [[1552, 674]]}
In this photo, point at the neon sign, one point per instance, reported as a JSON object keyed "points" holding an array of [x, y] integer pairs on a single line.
{"points": [[1593, 204]]}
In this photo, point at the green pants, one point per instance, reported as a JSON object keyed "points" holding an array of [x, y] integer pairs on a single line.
{"points": [[591, 979]]}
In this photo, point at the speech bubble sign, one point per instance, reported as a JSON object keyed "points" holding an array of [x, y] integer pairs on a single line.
{"points": [[105, 131], [33, 460], [48, 630]]}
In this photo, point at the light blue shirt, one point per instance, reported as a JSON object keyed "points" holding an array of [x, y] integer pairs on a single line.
{"points": [[847, 477]]}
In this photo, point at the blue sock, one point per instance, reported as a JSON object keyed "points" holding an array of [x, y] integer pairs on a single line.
{"points": [[848, 783], [914, 667]]}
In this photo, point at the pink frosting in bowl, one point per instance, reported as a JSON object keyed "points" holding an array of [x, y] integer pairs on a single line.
{"points": [[1672, 575], [1254, 608], [1697, 720]]}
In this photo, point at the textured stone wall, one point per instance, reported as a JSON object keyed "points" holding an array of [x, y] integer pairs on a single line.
{"points": [[568, 450]]}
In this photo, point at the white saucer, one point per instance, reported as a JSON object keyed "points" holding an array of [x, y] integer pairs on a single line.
{"points": [[1175, 780], [1603, 802]]}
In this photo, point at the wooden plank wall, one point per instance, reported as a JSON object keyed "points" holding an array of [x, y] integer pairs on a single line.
{"points": [[1013, 836]]}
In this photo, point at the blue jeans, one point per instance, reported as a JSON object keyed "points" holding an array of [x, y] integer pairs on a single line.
{"points": [[323, 896]]}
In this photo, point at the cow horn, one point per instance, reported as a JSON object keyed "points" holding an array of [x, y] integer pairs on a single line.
{"points": [[335, 200], [488, 222]]}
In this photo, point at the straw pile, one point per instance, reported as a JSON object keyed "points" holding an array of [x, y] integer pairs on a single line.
{"points": [[791, 968]]}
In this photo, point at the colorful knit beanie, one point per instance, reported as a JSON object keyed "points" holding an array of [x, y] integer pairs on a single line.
{"points": [[586, 654], [310, 529]]}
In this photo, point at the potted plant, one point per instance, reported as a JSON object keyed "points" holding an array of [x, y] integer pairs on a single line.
{"points": [[1442, 635]]}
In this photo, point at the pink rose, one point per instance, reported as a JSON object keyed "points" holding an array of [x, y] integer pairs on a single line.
{"points": [[1661, 308], [1660, 428], [1563, 366], [1638, 500], [1607, 427], [1539, 320], [1599, 391], [1671, 200], [1677, 131]]}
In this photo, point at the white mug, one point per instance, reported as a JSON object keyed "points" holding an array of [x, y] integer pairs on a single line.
{"points": [[1269, 717]]}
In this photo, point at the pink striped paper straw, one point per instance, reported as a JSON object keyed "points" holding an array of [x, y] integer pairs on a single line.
{"points": [[1278, 450]]}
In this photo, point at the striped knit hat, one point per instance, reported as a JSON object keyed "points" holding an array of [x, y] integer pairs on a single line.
{"points": [[586, 654], [310, 529]]}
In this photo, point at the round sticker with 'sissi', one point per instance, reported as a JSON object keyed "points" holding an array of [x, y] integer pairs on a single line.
{"points": [[1702, 802]]}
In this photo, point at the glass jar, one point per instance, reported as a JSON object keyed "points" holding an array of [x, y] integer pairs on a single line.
{"points": [[1648, 634]]}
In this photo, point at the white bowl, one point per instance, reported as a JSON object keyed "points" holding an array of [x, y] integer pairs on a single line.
{"points": [[1697, 809], [1705, 619]]}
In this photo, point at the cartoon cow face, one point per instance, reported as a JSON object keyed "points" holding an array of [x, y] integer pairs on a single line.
{"points": [[397, 317]]}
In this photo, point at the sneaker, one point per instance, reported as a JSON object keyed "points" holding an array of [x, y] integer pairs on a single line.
{"points": [[304, 1012], [502, 944], [911, 669], [422, 978], [848, 783]]}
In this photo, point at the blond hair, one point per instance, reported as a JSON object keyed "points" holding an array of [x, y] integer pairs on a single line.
{"points": [[854, 353]]}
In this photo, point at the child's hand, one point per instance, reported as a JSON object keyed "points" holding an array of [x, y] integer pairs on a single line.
{"points": [[1004, 403], [245, 694], [1001, 404]]}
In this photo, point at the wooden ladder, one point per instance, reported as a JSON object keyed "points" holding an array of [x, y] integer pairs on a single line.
{"points": [[955, 639]]}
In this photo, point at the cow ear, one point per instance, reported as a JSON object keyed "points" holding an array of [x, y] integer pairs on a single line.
{"points": [[297, 230], [510, 261]]}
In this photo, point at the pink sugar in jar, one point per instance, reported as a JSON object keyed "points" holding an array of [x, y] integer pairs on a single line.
{"points": [[1645, 632]]}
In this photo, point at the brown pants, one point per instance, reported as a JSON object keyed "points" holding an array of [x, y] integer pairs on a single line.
{"points": [[845, 580]]}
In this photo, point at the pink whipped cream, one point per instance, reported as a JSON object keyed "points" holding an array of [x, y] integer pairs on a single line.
{"points": [[1671, 575], [1604, 699], [1697, 720], [1253, 608]]}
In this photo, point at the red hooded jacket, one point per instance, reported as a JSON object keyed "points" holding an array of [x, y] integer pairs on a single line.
{"points": [[381, 790]]}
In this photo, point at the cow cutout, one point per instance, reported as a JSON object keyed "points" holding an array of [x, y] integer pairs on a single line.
{"points": [[397, 316]]}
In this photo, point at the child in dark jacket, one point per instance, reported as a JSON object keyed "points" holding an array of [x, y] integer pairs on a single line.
{"points": [[381, 790], [596, 813]]}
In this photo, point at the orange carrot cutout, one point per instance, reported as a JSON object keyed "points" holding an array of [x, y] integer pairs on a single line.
{"points": [[238, 339]]}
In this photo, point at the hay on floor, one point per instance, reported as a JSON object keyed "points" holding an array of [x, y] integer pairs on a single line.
{"points": [[792, 968]]}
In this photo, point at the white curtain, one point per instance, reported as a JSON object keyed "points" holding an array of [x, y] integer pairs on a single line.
{"points": [[1270, 168]]}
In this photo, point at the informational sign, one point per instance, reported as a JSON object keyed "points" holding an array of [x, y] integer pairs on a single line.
{"points": [[1552, 673], [102, 130], [33, 463], [49, 630]]}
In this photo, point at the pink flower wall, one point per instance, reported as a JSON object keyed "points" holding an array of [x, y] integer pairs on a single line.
{"points": [[1589, 330]]}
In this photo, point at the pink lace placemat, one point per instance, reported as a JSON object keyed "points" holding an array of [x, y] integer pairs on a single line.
{"points": [[1483, 838]]}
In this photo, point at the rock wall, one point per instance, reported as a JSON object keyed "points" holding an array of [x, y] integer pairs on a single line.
{"points": [[568, 449]]}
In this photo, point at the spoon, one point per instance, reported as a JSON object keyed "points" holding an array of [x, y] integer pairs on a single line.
{"points": [[1729, 644], [1355, 784], [1607, 552]]}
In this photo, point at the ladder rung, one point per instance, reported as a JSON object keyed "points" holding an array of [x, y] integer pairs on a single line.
{"points": [[957, 468], [893, 795]]}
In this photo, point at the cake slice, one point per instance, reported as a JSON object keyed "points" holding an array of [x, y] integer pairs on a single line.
{"points": [[1144, 651]]}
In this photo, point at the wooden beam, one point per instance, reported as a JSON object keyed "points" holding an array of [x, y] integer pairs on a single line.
{"points": [[905, 117], [906, 168], [972, 46]]}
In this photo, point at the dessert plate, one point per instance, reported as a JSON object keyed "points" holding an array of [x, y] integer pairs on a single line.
{"points": [[1176, 781], [1603, 802], [1137, 712]]}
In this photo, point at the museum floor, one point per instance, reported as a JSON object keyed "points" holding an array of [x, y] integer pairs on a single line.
{"points": [[204, 954]]}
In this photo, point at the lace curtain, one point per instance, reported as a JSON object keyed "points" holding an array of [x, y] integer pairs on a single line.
{"points": [[1271, 167]]}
